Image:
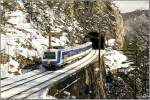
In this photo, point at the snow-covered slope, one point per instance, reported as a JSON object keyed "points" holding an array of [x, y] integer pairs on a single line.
{"points": [[115, 59], [21, 39]]}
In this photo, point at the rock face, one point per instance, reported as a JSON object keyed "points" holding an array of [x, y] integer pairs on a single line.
{"points": [[101, 16], [84, 16]]}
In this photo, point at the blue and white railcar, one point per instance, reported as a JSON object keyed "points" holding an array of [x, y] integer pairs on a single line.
{"points": [[58, 57]]}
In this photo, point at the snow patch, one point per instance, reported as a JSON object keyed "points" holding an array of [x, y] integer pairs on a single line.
{"points": [[110, 42], [114, 59], [14, 65]]}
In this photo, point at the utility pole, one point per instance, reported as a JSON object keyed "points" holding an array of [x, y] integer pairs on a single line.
{"points": [[50, 35], [101, 83]]}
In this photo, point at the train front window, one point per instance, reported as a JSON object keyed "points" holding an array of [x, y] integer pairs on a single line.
{"points": [[49, 55]]}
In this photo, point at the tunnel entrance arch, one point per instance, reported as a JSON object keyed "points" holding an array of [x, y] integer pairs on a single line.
{"points": [[94, 38]]}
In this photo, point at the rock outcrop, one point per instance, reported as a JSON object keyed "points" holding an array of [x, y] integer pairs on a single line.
{"points": [[101, 16]]}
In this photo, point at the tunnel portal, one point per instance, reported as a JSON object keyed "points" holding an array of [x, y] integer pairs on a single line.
{"points": [[94, 38]]}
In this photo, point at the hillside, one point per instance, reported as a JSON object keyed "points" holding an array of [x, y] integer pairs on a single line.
{"points": [[128, 15], [133, 20], [136, 25], [26, 25]]}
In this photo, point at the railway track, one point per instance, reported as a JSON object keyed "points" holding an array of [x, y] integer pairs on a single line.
{"points": [[28, 75], [28, 86]]}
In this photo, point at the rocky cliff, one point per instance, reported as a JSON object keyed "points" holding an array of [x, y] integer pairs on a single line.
{"points": [[101, 16]]}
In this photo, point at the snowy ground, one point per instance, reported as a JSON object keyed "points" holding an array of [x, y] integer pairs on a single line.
{"points": [[114, 59]]}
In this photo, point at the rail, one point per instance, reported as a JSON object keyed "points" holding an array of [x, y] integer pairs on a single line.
{"points": [[27, 86]]}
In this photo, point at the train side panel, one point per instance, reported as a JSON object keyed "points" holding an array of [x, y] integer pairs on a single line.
{"points": [[75, 52]]}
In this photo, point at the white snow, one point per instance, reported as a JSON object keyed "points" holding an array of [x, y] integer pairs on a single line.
{"points": [[18, 18], [24, 33], [64, 39], [14, 65], [114, 59], [70, 28], [4, 70], [21, 3], [64, 34], [110, 42]]}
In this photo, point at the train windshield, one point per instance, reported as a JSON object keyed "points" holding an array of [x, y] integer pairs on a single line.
{"points": [[49, 55]]}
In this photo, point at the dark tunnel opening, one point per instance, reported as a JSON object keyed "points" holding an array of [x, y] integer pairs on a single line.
{"points": [[94, 38]]}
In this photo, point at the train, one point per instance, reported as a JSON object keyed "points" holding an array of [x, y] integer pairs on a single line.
{"points": [[58, 57]]}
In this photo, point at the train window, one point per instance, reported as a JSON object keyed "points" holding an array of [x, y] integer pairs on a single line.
{"points": [[49, 55]]}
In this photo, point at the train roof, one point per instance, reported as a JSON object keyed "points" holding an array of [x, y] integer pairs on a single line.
{"points": [[85, 44], [66, 49]]}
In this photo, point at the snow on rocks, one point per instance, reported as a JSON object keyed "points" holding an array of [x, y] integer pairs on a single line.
{"points": [[64, 39], [110, 42], [4, 70], [114, 59], [13, 65], [18, 18], [22, 39]]}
